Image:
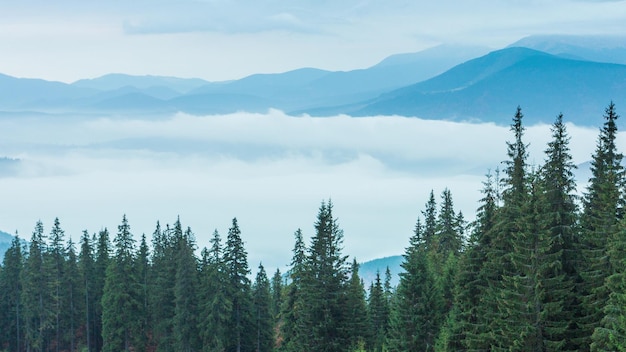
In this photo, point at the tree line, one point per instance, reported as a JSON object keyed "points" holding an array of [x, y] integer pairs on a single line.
{"points": [[539, 269]]}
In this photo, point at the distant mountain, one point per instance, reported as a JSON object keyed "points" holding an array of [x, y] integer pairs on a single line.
{"points": [[290, 91], [308, 87], [444, 82], [367, 270], [26, 93], [116, 81], [5, 243], [610, 49], [490, 87]]}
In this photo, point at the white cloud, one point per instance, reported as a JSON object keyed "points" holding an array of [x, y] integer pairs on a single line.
{"points": [[220, 40], [269, 170]]}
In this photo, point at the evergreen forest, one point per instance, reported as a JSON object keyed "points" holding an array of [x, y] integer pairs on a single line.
{"points": [[540, 268]]}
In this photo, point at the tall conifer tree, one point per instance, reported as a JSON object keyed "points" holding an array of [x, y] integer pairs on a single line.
{"points": [[11, 337], [239, 290], [603, 206], [261, 298], [119, 298], [324, 286]]}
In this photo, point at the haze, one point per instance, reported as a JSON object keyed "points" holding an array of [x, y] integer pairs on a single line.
{"points": [[271, 171], [219, 40]]}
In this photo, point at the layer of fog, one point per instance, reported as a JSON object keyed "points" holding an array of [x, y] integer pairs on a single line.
{"points": [[271, 171]]}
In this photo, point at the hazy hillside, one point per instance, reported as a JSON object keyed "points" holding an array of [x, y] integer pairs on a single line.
{"points": [[367, 270], [5, 243], [425, 84], [610, 49], [116, 81], [293, 90], [490, 87]]}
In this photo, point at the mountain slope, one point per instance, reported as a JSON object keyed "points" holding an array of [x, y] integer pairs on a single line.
{"points": [[490, 87], [293, 90], [609, 49], [20, 93], [367, 270], [116, 81]]}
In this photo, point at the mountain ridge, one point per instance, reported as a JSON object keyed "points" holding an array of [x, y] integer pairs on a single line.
{"points": [[468, 88]]}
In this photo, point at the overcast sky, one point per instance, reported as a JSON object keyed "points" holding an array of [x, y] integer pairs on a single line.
{"points": [[226, 39]]}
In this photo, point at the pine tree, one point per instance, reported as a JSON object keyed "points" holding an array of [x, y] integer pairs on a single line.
{"points": [[292, 334], [602, 210], [603, 243], [38, 315], [162, 288], [378, 312], [11, 324], [142, 269], [86, 267], [470, 329], [559, 254], [55, 267], [185, 305], [357, 325], [214, 303], [238, 289], [119, 298], [103, 253], [71, 285], [276, 290], [508, 233], [262, 312], [414, 321], [324, 286]]}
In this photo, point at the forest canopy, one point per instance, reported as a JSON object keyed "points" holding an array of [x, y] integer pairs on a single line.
{"points": [[540, 268]]}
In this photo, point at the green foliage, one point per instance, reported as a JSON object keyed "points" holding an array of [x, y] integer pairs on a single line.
{"points": [[262, 302], [119, 299], [324, 287], [416, 309], [534, 275]]}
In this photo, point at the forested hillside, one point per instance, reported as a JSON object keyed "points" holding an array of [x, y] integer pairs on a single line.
{"points": [[539, 269]]}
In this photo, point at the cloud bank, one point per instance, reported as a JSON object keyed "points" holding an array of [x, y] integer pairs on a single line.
{"points": [[271, 171]]}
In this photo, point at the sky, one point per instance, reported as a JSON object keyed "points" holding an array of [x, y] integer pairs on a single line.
{"points": [[271, 171], [218, 40]]}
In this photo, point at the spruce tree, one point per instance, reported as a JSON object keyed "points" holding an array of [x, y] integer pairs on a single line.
{"points": [[142, 270], [603, 206], [557, 221], [470, 329], [86, 267], [378, 313], [103, 259], [238, 289], [292, 334], [214, 303], [276, 290], [357, 325], [162, 288], [11, 324], [603, 241], [74, 307], [55, 267], [264, 340], [508, 234], [415, 319], [324, 286], [38, 315], [185, 287], [119, 298]]}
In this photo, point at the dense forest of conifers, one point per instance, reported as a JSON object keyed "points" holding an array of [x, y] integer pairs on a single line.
{"points": [[540, 269]]}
